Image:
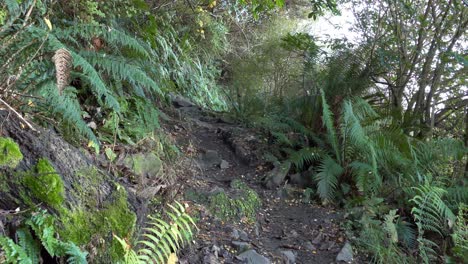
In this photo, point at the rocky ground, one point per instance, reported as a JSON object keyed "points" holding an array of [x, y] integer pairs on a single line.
{"points": [[240, 220]]}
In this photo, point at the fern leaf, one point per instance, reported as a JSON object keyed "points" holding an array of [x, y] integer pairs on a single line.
{"points": [[327, 178], [305, 156], [327, 116], [29, 244], [13, 252]]}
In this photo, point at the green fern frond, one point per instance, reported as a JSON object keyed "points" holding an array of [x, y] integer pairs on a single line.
{"points": [[327, 178], [29, 244], [305, 156], [406, 233], [14, 253], [327, 116], [109, 34], [75, 254], [121, 69], [68, 107], [430, 211], [161, 238]]}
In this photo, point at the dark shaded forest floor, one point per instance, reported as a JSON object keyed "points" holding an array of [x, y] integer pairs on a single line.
{"points": [[285, 230]]}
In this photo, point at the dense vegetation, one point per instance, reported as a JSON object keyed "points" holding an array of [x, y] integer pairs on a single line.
{"points": [[380, 121]]}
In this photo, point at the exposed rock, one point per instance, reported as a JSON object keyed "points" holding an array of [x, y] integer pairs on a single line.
{"points": [[276, 176], [303, 180], [252, 257], [180, 101], [144, 164], [235, 234], [210, 259], [243, 236], [224, 165], [318, 239], [209, 159], [215, 249], [294, 234], [346, 253], [246, 146], [257, 229], [309, 246], [241, 246], [288, 256]]}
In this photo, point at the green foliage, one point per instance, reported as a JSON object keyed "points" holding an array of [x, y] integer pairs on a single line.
{"points": [[10, 154], [80, 225], [460, 233], [430, 211], [243, 203], [28, 249], [380, 239], [327, 178], [161, 238], [45, 184]]}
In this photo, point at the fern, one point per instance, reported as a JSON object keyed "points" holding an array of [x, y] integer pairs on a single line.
{"points": [[327, 178], [327, 116], [27, 242], [430, 211], [305, 156], [160, 239], [460, 233], [27, 251], [14, 253]]}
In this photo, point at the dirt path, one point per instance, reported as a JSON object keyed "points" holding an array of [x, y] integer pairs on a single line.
{"points": [[285, 230]]}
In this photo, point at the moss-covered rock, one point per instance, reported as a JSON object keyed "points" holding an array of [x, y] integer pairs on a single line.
{"points": [[243, 203], [82, 224], [45, 184], [10, 154], [144, 164]]}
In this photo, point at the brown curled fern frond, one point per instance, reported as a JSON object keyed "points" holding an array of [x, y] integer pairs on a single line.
{"points": [[63, 65]]}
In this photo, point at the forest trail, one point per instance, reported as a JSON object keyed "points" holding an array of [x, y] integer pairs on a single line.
{"points": [[285, 230]]}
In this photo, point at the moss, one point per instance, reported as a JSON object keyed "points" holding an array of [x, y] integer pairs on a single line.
{"points": [[88, 186], [243, 204], [45, 184], [81, 225], [3, 183], [10, 154]]}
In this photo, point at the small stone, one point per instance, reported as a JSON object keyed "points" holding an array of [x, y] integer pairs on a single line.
{"points": [[294, 234], [241, 246], [318, 239], [235, 234], [243, 236], [215, 249], [252, 257], [346, 253], [309, 246], [289, 256], [224, 165], [210, 259], [257, 229]]}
